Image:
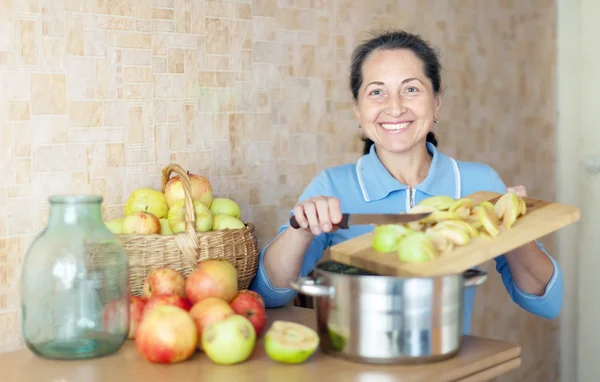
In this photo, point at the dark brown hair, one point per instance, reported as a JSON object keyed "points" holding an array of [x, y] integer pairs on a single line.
{"points": [[396, 39]]}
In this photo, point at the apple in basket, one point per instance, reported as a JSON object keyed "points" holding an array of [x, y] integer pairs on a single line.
{"points": [[204, 218], [164, 281], [212, 278], [225, 206], [141, 223], [147, 200], [200, 185]]}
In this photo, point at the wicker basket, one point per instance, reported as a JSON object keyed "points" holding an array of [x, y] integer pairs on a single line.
{"points": [[184, 250]]}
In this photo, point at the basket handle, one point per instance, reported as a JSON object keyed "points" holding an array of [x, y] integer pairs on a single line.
{"points": [[187, 240]]}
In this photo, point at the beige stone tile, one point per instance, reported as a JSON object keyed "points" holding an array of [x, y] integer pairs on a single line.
{"points": [[10, 338], [131, 40], [137, 74], [81, 81], [101, 78], [175, 59], [264, 8], [217, 36], [53, 18], [48, 93], [115, 7], [164, 14], [85, 113], [219, 8], [18, 110], [58, 157], [53, 54], [74, 30], [137, 126], [28, 42], [197, 20], [80, 5], [115, 155], [216, 79], [183, 15]]}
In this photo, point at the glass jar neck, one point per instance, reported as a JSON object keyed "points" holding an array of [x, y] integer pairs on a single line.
{"points": [[75, 210]]}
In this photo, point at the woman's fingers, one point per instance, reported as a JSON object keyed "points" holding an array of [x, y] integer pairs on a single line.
{"points": [[518, 190], [319, 214]]}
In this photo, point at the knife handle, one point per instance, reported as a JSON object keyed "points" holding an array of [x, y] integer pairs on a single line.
{"points": [[343, 224]]}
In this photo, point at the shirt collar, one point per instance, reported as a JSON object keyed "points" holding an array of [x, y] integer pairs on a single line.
{"points": [[376, 182]]}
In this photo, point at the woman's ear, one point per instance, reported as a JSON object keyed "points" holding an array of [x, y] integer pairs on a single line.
{"points": [[437, 105], [356, 111]]}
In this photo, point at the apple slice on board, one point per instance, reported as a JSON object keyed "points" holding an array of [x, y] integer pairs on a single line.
{"points": [[541, 218]]}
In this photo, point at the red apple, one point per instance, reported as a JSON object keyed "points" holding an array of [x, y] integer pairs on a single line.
{"points": [[164, 281], [136, 310], [167, 334], [207, 311], [212, 278], [141, 223], [200, 185], [247, 304], [166, 299], [115, 316]]}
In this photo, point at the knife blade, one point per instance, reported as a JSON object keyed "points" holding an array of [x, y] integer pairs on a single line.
{"points": [[358, 219]]}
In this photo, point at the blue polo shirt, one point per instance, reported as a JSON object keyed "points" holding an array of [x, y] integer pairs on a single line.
{"points": [[367, 187]]}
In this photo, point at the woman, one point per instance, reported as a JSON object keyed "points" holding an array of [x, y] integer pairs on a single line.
{"points": [[396, 86]]}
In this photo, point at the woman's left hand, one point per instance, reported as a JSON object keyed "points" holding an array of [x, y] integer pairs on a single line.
{"points": [[519, 190]]}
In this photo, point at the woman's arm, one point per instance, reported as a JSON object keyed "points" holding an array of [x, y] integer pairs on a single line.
{"points": [[293, 253], [531, 276]]}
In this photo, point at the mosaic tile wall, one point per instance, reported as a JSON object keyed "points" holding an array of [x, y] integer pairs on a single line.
{"points": [[96, 96]]}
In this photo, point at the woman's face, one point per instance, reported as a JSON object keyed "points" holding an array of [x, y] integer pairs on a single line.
{"points": [[396, 103]]}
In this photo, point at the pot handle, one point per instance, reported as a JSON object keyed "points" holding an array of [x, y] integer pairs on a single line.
{"points": [[474, 277], [309, 287]]}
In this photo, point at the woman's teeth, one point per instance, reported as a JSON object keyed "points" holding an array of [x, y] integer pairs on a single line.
{"points": [[395, 126]]}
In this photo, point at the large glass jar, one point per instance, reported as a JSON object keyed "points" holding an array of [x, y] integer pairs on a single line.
{"points": [[75, 284]]}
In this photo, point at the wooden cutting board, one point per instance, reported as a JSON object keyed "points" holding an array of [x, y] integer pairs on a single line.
{"points": [[541, 219]]}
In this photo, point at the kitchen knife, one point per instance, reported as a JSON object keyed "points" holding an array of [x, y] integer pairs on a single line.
{"points": [[358, 219]]}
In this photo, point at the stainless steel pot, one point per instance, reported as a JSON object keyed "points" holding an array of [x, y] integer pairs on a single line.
{"points": [[368, 318]]}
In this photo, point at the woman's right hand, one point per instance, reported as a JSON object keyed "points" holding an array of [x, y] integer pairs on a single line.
{"points": [[318, 214]]}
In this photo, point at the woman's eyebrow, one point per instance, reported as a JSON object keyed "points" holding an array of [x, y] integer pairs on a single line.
{"points": [[403, 82]]}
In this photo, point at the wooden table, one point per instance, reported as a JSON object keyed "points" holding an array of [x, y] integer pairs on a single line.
{"points": [[479, 360]]}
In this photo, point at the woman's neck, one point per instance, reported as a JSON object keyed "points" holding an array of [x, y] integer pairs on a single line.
{"points": [[409, 168]]}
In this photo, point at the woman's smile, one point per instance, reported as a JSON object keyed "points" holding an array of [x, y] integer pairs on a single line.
{"points": [[395, 127]]}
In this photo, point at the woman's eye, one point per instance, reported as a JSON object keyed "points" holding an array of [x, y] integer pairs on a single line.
{"points": [[376, 92], [412, 89]]}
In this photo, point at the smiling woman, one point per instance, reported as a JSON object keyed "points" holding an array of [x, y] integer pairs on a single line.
{"points": [[396, 85]]}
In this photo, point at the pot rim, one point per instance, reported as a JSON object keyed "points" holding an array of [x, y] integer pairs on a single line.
{"points": [[318, 268]]}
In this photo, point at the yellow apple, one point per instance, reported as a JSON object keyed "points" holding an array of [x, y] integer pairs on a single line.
{"points": [[225, 206], [141, 223], [147, 200], [115, 225], [165, 229], [204, 218], [221, 222], [201, 190]]}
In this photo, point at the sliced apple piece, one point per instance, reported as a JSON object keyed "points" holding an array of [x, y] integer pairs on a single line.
{"points": [[439, 216], [461, 203], [511, 210], [459, 224], [489, 220], [441, 203], [442, 243], [523, 210], [416, 247]]}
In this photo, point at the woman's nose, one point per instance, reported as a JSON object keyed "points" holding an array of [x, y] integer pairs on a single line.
{"points": [[395, 106]]}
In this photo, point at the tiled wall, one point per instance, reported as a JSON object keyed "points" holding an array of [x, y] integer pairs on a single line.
{"points": [[98, 95]]}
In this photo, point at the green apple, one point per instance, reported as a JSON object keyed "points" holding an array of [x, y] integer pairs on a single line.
{"points": [[147, 200], [165, 228], [386, 237], [115, 225], [416, 247], [221, 222], [229, 341], [290, 342], [225, 206], [176, 217]]}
